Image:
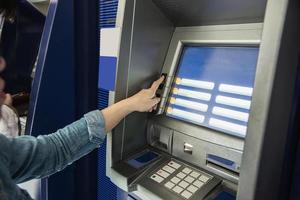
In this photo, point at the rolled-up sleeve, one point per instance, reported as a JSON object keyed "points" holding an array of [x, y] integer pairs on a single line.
{"points": [[32, 157]]}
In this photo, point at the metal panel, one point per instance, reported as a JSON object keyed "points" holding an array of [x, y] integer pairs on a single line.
{"points": [[273, 88], [243, 34], [200, 151], [271, 103], [212, 12], [139, 63]]}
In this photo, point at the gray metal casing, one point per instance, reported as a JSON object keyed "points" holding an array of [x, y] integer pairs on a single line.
{"points": [[148, 28]]}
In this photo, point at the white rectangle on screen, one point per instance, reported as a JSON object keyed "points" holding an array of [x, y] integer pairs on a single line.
{"points": [[235, 128], [187, 115], [230, 101], [192, 94], [234, 89], [195, 83], [189, 104], [241, 116]]}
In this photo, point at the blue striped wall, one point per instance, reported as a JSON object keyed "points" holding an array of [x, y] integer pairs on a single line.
{"points": [[106, 189]]}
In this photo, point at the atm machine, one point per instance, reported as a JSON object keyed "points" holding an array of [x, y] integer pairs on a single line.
{"points": [[210, 135]]}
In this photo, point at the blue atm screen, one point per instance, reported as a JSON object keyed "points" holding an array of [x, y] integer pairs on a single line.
{"points": [[213, 87]]}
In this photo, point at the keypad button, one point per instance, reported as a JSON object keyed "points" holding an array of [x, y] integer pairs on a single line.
{"points": [[181, 175], [175, 180], [169, 185], [183, 184], [186, 194], [163, 173], [157, 178], [189, 179], [192, 189], [177, 189], [186, 170], [198, 184], [203, 178], [174, 164], [168, 169], [194, 174]]}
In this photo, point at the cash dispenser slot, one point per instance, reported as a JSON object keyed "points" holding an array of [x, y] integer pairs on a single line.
{"points": [[160, 137], [222, 164]]}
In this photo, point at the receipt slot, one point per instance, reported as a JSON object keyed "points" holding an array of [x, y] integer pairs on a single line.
{"points": [[202, 142]]}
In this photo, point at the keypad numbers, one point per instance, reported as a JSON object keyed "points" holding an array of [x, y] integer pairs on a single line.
{"points": [[180, 179]]}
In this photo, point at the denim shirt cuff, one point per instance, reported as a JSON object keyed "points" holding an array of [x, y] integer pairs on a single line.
{"points": [[96, 126]]}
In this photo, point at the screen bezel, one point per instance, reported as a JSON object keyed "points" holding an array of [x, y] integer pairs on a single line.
{"points": [[239, 35]]}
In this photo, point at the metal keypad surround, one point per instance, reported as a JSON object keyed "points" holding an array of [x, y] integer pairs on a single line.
{"points": [[180, 179]]}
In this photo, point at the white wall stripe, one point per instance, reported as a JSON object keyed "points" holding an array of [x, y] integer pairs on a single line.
{"points": [[110, 42]]}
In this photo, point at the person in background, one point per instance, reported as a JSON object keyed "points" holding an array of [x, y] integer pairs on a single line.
{"points": [[9, 119]]}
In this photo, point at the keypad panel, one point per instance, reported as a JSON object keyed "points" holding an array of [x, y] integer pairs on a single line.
{"points": [[180, 179]]}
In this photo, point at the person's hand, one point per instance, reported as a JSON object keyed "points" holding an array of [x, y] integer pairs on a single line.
{"points": [[146, 100]]}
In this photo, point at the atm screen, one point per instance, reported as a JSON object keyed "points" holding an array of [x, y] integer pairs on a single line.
{"points": [[213, 87]]}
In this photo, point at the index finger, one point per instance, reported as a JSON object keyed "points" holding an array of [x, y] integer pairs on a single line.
{"points": [[156, 83]]}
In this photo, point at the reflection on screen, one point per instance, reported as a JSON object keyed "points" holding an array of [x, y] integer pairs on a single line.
{"points": [[213, 87]]}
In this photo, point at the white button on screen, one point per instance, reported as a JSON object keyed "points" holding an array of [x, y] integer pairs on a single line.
{"points": [[235, 89], [192, 94], [235, 128], [189, 104], [195, 83], [186, 115], [233, 114], [230, 101]]}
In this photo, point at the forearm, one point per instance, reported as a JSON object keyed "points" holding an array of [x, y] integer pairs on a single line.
{"points": [[38, 157], [116, 112]]}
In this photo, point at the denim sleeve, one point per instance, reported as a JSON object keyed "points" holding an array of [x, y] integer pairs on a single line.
{"points": [[32, 157]]}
